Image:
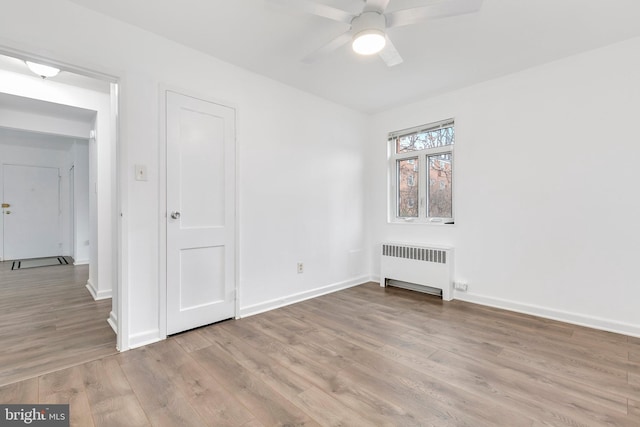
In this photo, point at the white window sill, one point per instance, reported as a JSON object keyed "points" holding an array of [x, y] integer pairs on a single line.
{"points": [[422, 222]]}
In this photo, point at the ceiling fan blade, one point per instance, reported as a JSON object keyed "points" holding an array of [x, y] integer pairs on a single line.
{"points": [[376, 5], [441, 9], [317, 9], [390, 55], [334, 44]]}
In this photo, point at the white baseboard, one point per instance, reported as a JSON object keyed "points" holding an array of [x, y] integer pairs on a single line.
{"points": [[144, 338], [98, 295], [549, 313], [92, 289], [81, 262], [113, 321], [292, 299]]}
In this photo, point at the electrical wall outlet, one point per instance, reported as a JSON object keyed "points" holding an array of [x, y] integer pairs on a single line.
{"points": [[300, 268], [461, 286]]}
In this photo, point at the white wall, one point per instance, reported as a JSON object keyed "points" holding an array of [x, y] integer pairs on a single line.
{"points": [[41, 123], [545, 187], [80, 160], [299, 158], [78, 227]]}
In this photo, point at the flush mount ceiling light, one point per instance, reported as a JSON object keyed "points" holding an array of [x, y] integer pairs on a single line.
{"points": [[368, 42], [368, 33], [43, 71]]}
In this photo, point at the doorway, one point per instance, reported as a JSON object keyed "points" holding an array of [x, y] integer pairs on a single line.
{"points": [[102, 244]]}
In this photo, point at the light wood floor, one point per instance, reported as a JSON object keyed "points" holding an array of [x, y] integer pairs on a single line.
{"points": [[49, 321], [365, 356]]}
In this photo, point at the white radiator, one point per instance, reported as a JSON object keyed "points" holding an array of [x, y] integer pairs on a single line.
{"points": [[418, 267]]}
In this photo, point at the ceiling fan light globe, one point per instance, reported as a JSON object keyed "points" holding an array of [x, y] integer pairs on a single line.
{"points": [[369, 42], [43, 71]]}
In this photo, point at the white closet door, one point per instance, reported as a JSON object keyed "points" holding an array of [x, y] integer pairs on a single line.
{"points": [[200, 212]]}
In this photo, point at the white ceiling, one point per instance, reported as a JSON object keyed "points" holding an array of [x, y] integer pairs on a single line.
{"points": [[503, 37]]}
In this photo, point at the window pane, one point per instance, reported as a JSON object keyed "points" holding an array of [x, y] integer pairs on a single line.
{"points": [[440, 190], [408, 179], [423, 140]]}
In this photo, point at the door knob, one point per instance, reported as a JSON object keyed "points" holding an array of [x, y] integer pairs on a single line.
{"points": [[7, 212], [175, 215]]}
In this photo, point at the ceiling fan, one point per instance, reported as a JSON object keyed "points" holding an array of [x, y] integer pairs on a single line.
{"points": [[367, 30]]}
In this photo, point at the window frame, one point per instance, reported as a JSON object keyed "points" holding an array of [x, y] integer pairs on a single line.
{"points": [[423, 178]]}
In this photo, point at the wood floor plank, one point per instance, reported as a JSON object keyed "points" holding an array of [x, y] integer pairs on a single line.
{"points": [[634, 410], [371, 409], [614, 381], [328, 411], [554, 400], [504, 394], [112, 400], [67, 387], [192, 340], [264, 367], [21, 392], [300, 391], [253, 423], [634, 380], [408, 385], [161, 402], [216, 406], [268, 406]]}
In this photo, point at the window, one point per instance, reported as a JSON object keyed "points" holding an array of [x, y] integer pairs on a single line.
{"points": [[421, 164], [408, 192]]}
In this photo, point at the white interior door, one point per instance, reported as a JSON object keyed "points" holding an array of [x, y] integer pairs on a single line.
{"points": [[200, 212], [32, 219]]}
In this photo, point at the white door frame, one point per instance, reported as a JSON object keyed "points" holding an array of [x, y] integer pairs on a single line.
{"points": [[72, 210], [162, 203], [120, 228]]}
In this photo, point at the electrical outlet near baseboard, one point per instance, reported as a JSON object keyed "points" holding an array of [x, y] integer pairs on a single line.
{"points": [[461, 286], [300, 268]]}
